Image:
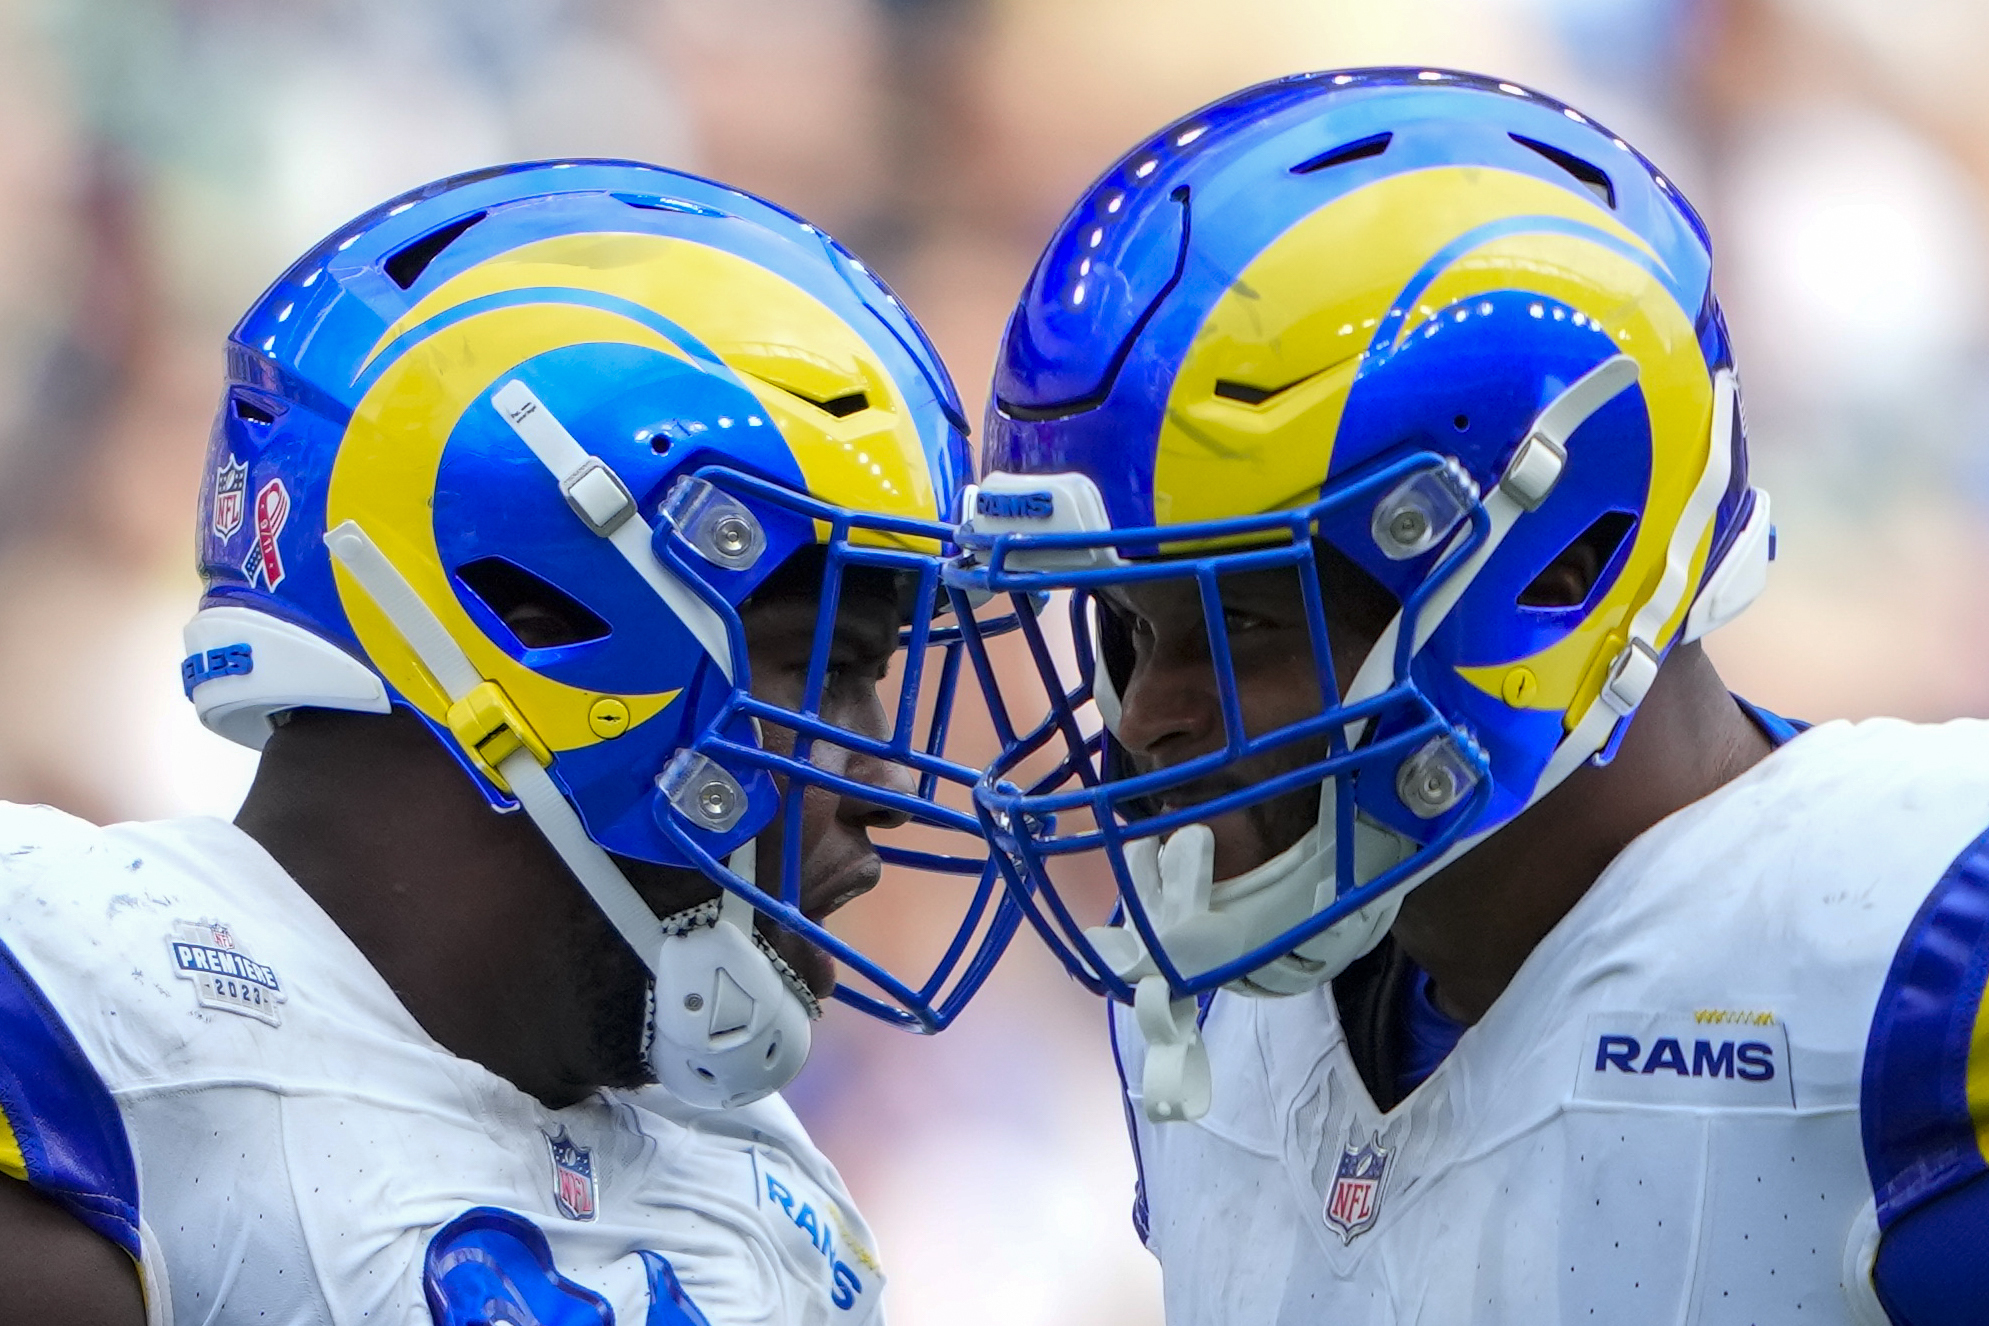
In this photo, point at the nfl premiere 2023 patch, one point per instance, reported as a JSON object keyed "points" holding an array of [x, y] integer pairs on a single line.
{"points": [[1721, 1057], [224, 976], [1354, 1200]]}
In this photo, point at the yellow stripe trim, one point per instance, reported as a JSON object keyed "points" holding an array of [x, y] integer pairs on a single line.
{"points": [[1299, 319], [1977, 1081], [788, 348], [384, 478], [1303, 312], [12, 1163], [779, 338], [1624, 301]]}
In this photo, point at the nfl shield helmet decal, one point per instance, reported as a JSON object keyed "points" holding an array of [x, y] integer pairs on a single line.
{"points": [[1354, 1200], [231, 486], [573, 1177]]}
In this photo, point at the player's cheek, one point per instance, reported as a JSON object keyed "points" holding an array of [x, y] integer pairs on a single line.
{"points": [[1277, 683]]}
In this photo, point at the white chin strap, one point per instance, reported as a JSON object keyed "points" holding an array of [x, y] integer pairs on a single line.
{"points": [[729, 1021], [1203, 923], [728, 1025]]}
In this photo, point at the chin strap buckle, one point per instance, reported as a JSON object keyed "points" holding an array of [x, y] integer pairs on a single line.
{"points": [[1630, 677], [1176, 1085], [490, 728]]}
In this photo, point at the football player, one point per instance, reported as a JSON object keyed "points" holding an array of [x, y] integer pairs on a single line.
{"points": [[1477, 957], [559, 528]]}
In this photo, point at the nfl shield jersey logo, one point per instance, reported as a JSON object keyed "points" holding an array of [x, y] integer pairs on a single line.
{"points": [[1355, 1198], [573, 1177]]}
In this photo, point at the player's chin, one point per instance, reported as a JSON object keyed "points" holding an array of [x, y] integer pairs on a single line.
{"points": [[1249, 836], [1240, 845]]}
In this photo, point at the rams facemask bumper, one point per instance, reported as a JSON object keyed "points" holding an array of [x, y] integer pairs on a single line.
{"points": [[1448, 326], [634, 393]]}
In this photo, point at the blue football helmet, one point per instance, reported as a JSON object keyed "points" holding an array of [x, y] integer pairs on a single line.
{"points": [[1430, 327], [635, 394]]}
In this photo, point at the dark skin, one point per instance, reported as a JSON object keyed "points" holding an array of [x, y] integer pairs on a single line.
{"points": [[1473, 924], [60, 1271], [472, 919]]}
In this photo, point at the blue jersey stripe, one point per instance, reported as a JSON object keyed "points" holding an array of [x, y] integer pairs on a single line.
{"points": [[1930, 1269], [1920, 1140], [71, 1136], [1142, 1218], [1779, 730]]}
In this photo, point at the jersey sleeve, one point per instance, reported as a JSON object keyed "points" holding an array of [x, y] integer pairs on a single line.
{"points": [[60, 1129], [1926, 1107]]}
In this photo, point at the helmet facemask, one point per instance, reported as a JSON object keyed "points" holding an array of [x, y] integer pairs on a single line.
{"points": [[1403, 788], [769, 750], [1067, 785]]}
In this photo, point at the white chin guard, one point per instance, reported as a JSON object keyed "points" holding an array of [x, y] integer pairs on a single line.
{"points": [[728, 1026], [1204, 923]]}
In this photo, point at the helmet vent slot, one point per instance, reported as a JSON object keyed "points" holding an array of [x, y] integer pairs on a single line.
{"points": [[1231, 390], [1570, 579], [842, 407], [1243, 391], [538, 612], [1360, 149], [406, 264], [1594, 178], [251, 413]]}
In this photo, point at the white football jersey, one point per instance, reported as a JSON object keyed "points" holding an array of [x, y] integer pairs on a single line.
{"points": [[1659, 1120], [198, 1063]]}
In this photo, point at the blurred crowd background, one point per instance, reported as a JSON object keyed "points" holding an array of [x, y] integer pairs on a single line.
{"points": [[162, 160]]}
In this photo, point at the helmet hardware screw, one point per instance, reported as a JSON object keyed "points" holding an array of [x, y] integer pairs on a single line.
{"points": [[715, 801], [693, 1002], [1421, 511], [703, 791], [732, 536], [1434, 779], [722, 529], [1437, 788], [607, 717]]}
